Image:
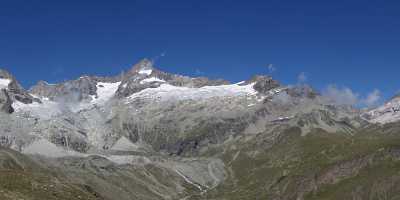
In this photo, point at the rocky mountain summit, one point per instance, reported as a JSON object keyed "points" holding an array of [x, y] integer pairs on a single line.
{"points": [[11, 90], [149, 134]]}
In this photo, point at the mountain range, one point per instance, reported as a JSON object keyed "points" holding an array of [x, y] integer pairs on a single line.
{"points": [[147, 134]]}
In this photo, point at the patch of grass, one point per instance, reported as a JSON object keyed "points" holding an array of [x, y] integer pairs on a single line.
{"points": [[381, 181], [285, 169], [15, 184]]}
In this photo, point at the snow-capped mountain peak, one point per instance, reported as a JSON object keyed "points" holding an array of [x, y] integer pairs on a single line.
{"points": [[144, 67], [387, 113]]}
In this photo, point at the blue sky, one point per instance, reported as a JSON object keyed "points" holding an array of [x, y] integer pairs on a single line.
{"points": [[352, 44]]}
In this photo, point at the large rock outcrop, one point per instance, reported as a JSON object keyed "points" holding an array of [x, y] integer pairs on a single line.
{"points": [[5, 102], [12, 91]]}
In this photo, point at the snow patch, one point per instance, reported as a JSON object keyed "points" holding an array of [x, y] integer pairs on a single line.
{"points": [[145, 71], [281, 119], [151, 79], [50, 84], [4, 83], [105, 91]]}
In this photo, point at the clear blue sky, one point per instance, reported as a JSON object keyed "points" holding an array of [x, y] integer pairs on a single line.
{"points": [[348, 43]]}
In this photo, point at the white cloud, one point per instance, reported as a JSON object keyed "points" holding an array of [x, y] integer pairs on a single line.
{"points": [[372, 98], [199, 72], [271, 68], [302, 77], [342, 96], [346, 96], [282, 98], [156, 58]]}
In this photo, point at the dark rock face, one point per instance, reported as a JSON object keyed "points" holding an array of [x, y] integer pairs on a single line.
{"points": [[15, 91], [132, 88], [5, 102], [185, 81], [302, 91], [209, 132], [68, 141], [74, 90], [132, 130], [5, 74], [144, 64], [263, 84], [42, 88]]}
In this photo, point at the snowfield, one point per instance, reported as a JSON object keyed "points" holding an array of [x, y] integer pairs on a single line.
{"points": [[105, 91], [44, 110], [170, 92]]}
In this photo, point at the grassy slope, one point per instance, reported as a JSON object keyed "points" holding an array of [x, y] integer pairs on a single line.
{"points": [[317, 166], [21, 178]]}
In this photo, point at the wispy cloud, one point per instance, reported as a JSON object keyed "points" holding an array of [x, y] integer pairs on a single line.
{"points": [[198, 72], [156, 58], [271, 68], [373, 98], [340, 95], [302, 77], [282, 98], [346, 96]]}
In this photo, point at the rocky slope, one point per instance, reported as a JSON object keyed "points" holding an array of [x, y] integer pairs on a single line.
{"points": [[387, 113], [149, 134]]}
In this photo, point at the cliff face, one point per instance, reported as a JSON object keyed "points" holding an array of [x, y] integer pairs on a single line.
{"points": [[10, 91]]}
